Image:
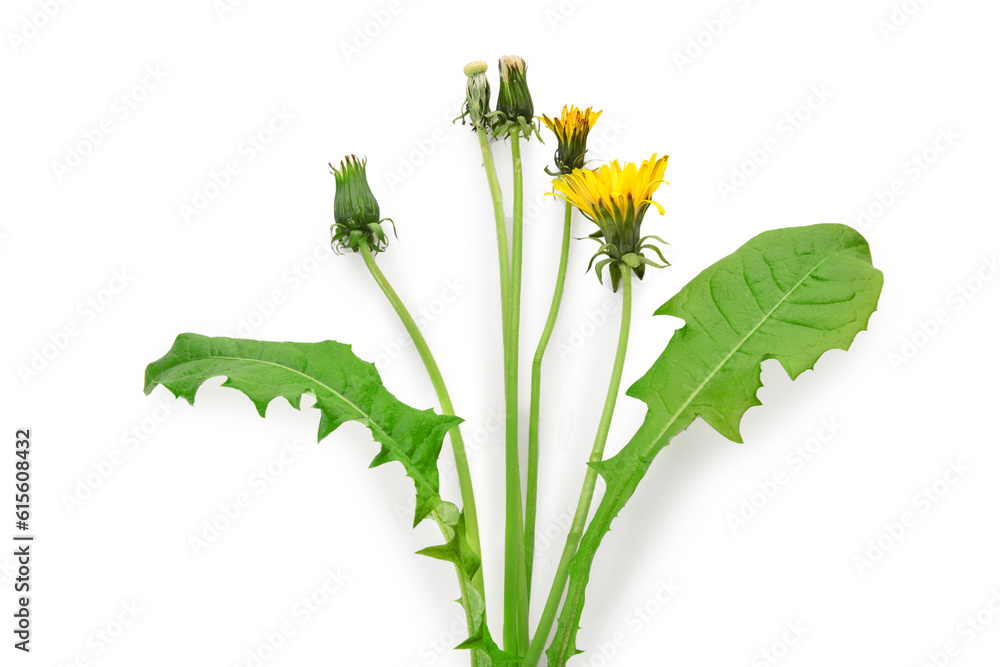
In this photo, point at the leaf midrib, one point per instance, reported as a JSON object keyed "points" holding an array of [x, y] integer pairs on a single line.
{"points": [[732, 352], [371, 424]]}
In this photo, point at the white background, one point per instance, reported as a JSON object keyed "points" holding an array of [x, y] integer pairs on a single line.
{"points": [[225, 73]]}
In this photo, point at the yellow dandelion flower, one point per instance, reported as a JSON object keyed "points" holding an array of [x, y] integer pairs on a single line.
{"points": [[616, 200], [572, 128]]}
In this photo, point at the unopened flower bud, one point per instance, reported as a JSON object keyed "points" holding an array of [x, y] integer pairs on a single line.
{"points": [[355, 210], [514, 98]]}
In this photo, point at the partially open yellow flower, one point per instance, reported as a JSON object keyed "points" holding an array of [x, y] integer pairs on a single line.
{"points": [[616, 199], [572, 128]]}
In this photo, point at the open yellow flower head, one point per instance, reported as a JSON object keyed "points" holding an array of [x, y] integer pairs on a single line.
{"points": [[616, 199], [571, 129]]}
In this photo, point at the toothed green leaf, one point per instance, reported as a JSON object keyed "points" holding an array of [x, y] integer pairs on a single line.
{"points": [[481, 641], [788, 294], [456, 550], [346, 388]]}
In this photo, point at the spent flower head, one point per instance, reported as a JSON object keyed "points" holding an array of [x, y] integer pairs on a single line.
{"points": [[514, 99], [355, 210], [616, 199], [571, 128], [477, 96]]}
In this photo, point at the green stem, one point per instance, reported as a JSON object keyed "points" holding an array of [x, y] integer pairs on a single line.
{"points": [[515, 628], [501, 223], [457, 444], [536, 391], [589, 483], [463, 588]]}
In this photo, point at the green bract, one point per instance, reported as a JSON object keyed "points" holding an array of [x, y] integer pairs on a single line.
{"points": [[355, 210], [477, 95], [514, 99]]}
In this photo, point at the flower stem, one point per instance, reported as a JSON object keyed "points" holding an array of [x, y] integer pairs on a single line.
{"points": [[501, 223], [515, 630], [536, 391], [457, 444], [589, 483]]}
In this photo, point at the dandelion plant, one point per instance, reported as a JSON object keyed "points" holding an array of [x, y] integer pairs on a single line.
{"points": [[787, 294]]}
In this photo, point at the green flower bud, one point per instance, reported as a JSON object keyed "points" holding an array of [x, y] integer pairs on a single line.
{"points": [[514, 98], [355, 211], [571, 128], [477, 94]]}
